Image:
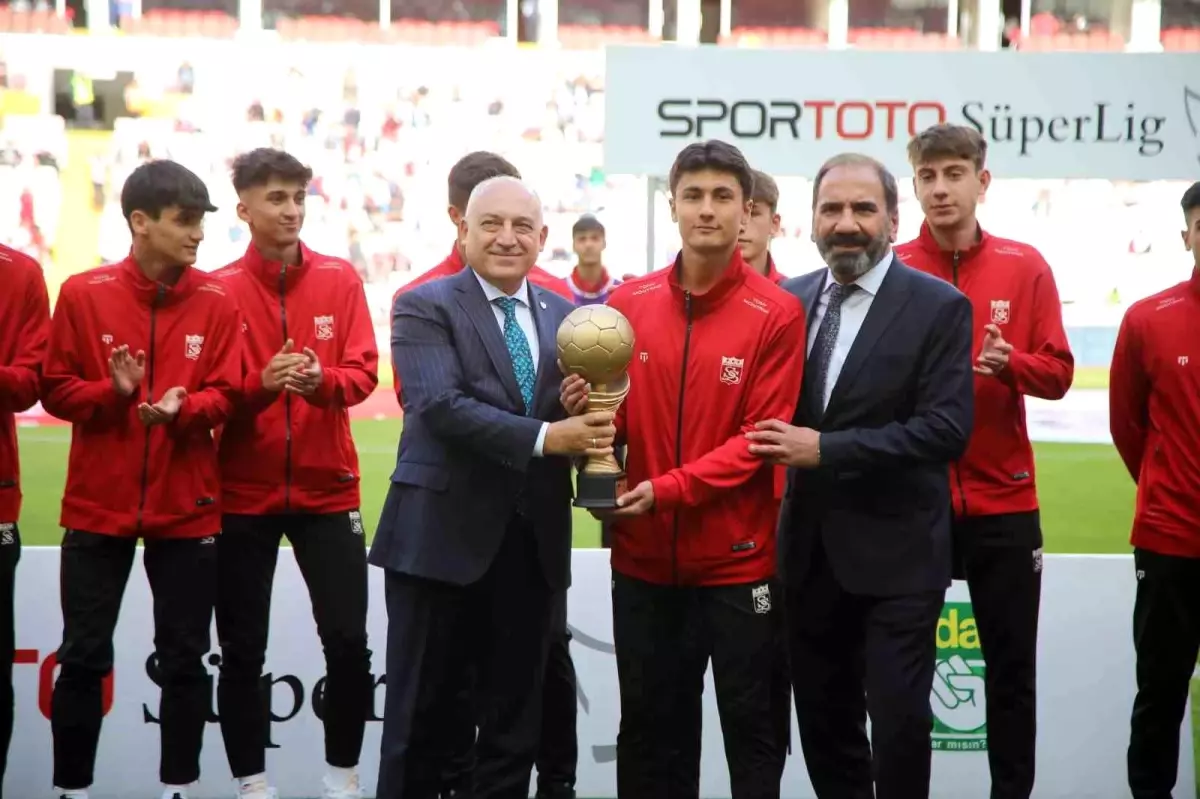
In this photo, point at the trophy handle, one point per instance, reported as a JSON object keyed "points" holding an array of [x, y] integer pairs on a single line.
{"points": [[606, 397]]}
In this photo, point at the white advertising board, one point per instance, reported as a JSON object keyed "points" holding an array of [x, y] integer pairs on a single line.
{"points": [[1045, 115], [1086, 679]]}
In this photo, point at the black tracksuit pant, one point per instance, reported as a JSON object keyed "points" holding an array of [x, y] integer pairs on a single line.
{"points": [[331, 553], [1000, 557], [1166, 638], [10, 554], [94, 571], [665, 637]]}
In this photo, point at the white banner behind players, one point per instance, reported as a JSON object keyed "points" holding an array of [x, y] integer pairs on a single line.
{"points": [[1045, 115], [1086, 680]]}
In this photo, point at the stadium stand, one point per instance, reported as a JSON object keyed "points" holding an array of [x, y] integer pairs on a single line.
{"points": [[380, 142]]}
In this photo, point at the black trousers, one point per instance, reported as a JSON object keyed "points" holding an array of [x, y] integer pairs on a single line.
{"points": [[558, 745], [492, 635], [665, 637], [852, 655], [1000, 557], [10, 555], [1166, 638], [331, 554], [94, 571]]}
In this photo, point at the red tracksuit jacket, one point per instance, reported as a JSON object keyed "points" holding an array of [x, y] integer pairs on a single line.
{"points": [[452, 265], [24, 328], [705, 369], [280, 452], [1011, 286], [124, 478], [1154, 416]]}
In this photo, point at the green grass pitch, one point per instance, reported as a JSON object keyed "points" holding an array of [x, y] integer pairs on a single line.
{"points": [[1087, 498]]}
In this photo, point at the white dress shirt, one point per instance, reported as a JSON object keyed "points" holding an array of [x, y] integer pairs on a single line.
{"points": [[854, 312], [525, 321]]}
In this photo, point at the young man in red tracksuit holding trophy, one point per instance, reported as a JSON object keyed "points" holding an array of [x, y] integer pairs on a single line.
{"points": [[24, 329], [144, 361], [289, 467], [1022, 351], [693, 550], [1154, 417]]}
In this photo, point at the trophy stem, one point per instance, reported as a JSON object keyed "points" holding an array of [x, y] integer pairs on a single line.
{"points": [[605, 399]]}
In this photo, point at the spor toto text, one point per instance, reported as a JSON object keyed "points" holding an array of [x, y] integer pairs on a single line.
{"points": [[857, 120]]}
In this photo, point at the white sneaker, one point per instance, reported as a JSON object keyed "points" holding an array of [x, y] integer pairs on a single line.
{"points": [[347, 790], [257, 790]]}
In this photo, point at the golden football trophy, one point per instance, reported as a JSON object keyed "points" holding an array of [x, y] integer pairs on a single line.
{"points": [[596, 343]]}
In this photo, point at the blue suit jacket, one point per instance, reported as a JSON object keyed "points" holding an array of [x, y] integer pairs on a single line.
{"points": [[900, 412], [466, 463]]}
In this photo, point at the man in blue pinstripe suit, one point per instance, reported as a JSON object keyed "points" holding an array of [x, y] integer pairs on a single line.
{"points": [[475, 535]]}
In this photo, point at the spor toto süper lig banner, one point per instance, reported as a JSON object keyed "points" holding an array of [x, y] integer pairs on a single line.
{"points": [[1044, 115], [1085, 674]]}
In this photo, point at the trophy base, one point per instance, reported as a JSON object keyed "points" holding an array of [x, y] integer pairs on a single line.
{"points": [[599, 491]]}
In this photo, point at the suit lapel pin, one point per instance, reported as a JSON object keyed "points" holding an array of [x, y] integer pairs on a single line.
{"points": [[542, 305]]}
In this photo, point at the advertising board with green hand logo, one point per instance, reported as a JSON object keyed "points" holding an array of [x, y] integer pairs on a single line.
{"points": [[959, 707]]}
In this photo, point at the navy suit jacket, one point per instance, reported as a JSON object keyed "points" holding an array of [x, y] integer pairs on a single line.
{"points": [[466, 465], [900, 413]]}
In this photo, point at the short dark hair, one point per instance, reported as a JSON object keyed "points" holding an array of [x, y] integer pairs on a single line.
{"points": [[587, 224], [717, 156], [473, 169], [158, 185], [1191, 198], [946, 140], [766, 190], [891, 192], [258, 167]]}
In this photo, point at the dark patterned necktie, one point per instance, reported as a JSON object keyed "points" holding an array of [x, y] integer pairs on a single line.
{"points": [[518, 350], [827, 334]]}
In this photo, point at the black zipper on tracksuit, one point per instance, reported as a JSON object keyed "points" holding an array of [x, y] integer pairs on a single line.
{"points": [[287, 397], [161, 293], [955, 468], [687, 341]]}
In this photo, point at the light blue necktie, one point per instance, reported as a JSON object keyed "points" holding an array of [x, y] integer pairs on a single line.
{"points": [[518, 350]]}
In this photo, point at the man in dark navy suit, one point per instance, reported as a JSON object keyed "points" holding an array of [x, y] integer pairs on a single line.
{"points": [[864, 535], [475, 535]]}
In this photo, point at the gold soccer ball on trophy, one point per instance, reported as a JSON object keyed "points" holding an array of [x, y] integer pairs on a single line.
{"points": [[596, 343]]}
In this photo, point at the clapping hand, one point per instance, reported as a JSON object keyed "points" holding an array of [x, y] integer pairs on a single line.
{"points": [[283, 363], [126, 370], [305, 380], [163, 411]]}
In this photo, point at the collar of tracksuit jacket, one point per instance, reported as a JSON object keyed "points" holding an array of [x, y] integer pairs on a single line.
{"points": [[965, 257], [733, 277], [274, 273], [153, 293], [1195, 281]]}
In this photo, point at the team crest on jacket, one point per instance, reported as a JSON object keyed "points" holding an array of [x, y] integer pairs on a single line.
{"points": [[731, 370], [1000, 312], [324, 326], [192, 345]]}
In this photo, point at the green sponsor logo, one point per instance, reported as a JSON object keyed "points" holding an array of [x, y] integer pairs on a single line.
{"points": [[959, 708]]}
